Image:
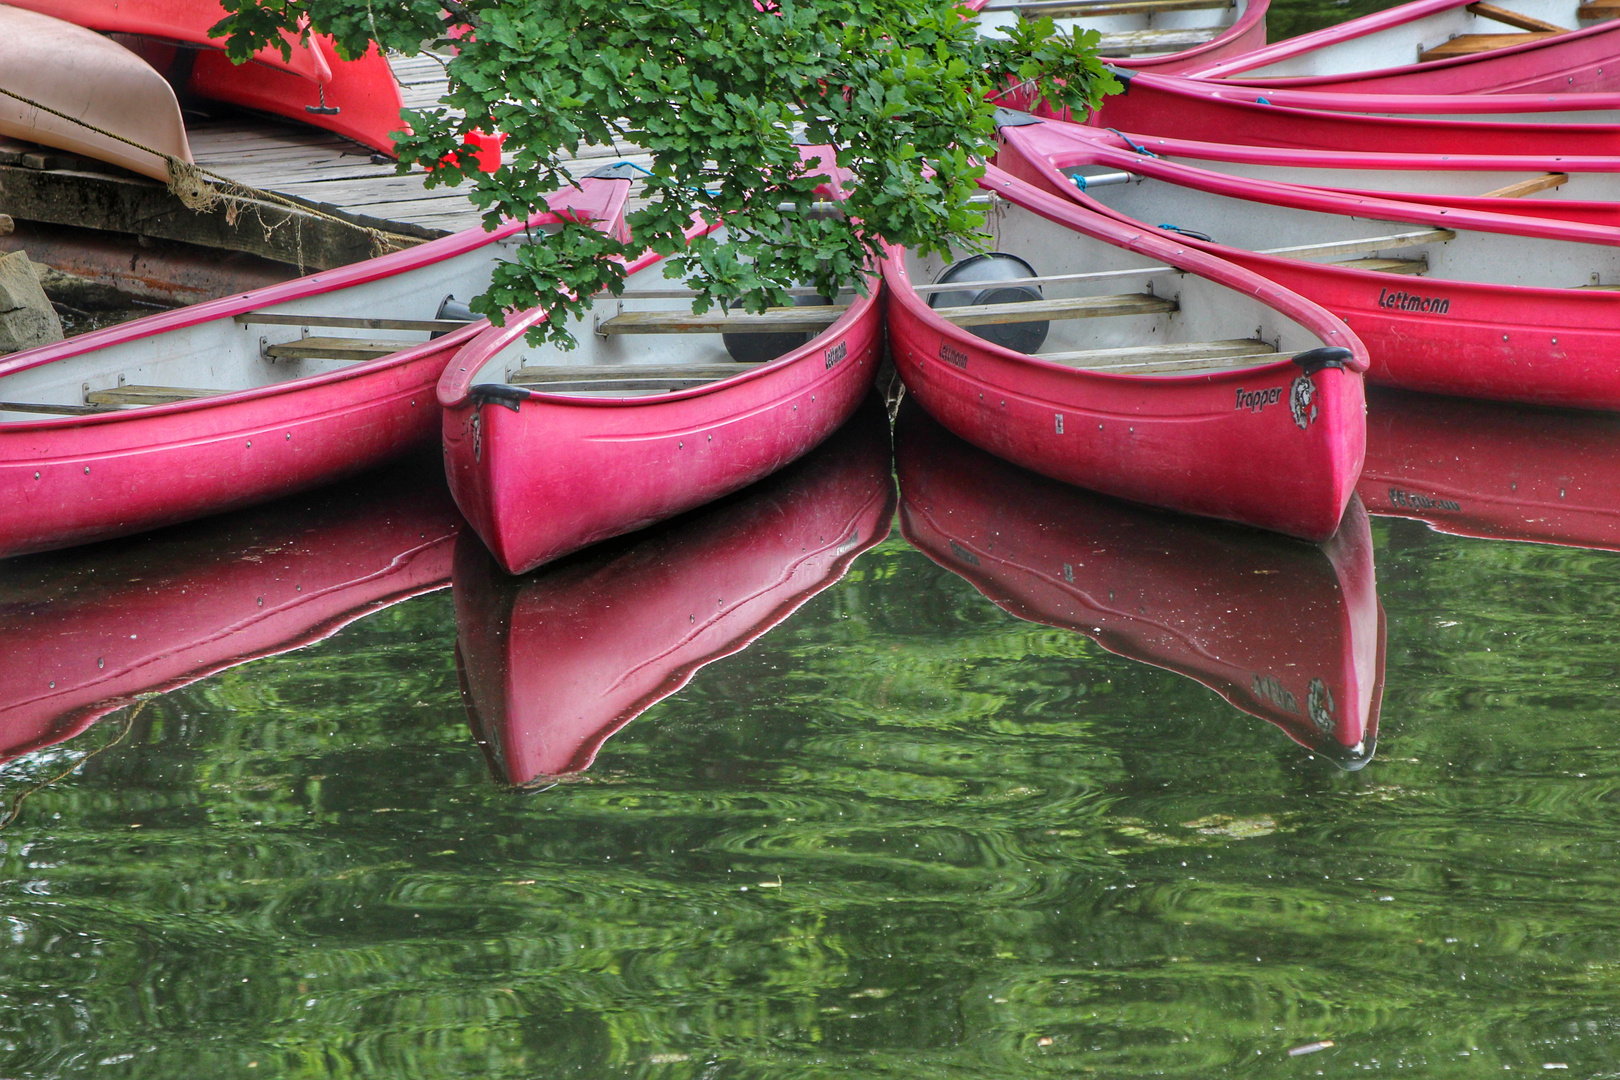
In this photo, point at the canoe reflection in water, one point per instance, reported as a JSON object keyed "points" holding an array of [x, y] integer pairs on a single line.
{"points": [[1496, 472], [1288, 631], [554, 663], [85, 632]]}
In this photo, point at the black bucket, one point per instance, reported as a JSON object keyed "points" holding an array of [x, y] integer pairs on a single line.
{"points": [[978, 276], [763, 348]]}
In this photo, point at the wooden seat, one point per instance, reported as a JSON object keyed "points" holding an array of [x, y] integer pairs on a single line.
{"points": [[783, 320], [1543, 182], [51, 409], [1133, 42], [334, 348], [1136, 356], [146, 395], [1364, 246], [345, 322], [1598, 10], [1387, 266], [1469, 44], [1513, 18], [1067, 9], [569, 379]]}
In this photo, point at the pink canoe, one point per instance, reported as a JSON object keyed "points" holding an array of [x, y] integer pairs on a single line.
{"points": [[1148, 35], [553, 664], [88, 632], [358, 99], [1288, 632], [1207, 389], [1498, 472], [1447, 300], [1443, 47], [654, 414], [1179, 107], [243, 399], [1572, 188]]}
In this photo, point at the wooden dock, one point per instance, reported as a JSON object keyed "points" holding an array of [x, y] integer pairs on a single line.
{"points": [[322, 171]]}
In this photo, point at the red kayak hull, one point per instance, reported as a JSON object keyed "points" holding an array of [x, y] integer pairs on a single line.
{"points": [[1471, 468], [74, 480], [1288, 632], [1511, 343], [88, 632], [1174, 442], [553, 664]]}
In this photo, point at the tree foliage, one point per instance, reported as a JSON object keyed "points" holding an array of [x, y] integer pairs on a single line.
{"points": [[717, 91]]}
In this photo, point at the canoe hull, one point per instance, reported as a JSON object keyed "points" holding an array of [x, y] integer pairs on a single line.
{"points": [[557, 474], [1542, 346]]}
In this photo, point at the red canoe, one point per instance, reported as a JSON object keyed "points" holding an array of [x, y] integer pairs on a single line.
{"points": [[1147, 35], [553, 664], [1471, 468], [1447, 300], [1563, 188], [358, 99], [1469, 52], [1289, 632], [1178, 107], [550, 451], [87, 632], [243, 399], [1185, 393]]}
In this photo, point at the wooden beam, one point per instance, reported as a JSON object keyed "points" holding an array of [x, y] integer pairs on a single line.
{"points": [[334, 348], [1513, 18], [1469, 44], [562, 379], [146, 395], [54, 410], [1598, 10], [1069, 9], [1144, 354], [1387, 266], [276, 318], [1079, 307], [783, 320], [1529, 187], [1131, 42], [1370, 244]]}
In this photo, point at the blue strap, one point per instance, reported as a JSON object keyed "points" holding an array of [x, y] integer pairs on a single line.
{"points": [[1261, 101], [1196, 235]]}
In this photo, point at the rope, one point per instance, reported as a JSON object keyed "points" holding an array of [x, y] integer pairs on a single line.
{"points": [[189, 183], [129, 724]]}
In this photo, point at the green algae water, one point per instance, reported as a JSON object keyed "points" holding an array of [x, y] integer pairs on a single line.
{"points": [[776, 791]]}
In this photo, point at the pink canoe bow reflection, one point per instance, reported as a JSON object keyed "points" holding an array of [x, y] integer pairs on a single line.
{"points": [[555, 663], [1287, 631], [88, 631]]}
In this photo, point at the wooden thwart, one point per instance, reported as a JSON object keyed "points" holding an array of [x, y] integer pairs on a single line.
{"points": [[146, 395], [1130, 42], [1598, 10], [1469, 44], [1529, 187], [654, 377], [1064, 9], [1180, 358], [334, 348], [1513, 18], [1387, 266], [276, 318], [51, 409], [1363, 246]]}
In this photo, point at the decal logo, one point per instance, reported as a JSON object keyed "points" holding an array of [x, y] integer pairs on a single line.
{"points": [[1405, 301], [955, 357], [1397, 497], [1270, 688], [837, 353], [1302, 401], [963, 554], [1319, 703], [1255, 400]]}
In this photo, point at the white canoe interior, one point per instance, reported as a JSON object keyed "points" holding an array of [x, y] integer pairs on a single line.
{"points": [[647, 341], [1463, 30], [1366, 244], [1507, 186], [1128, 27], [252, 347], [1112, 310], [96, 80]]}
